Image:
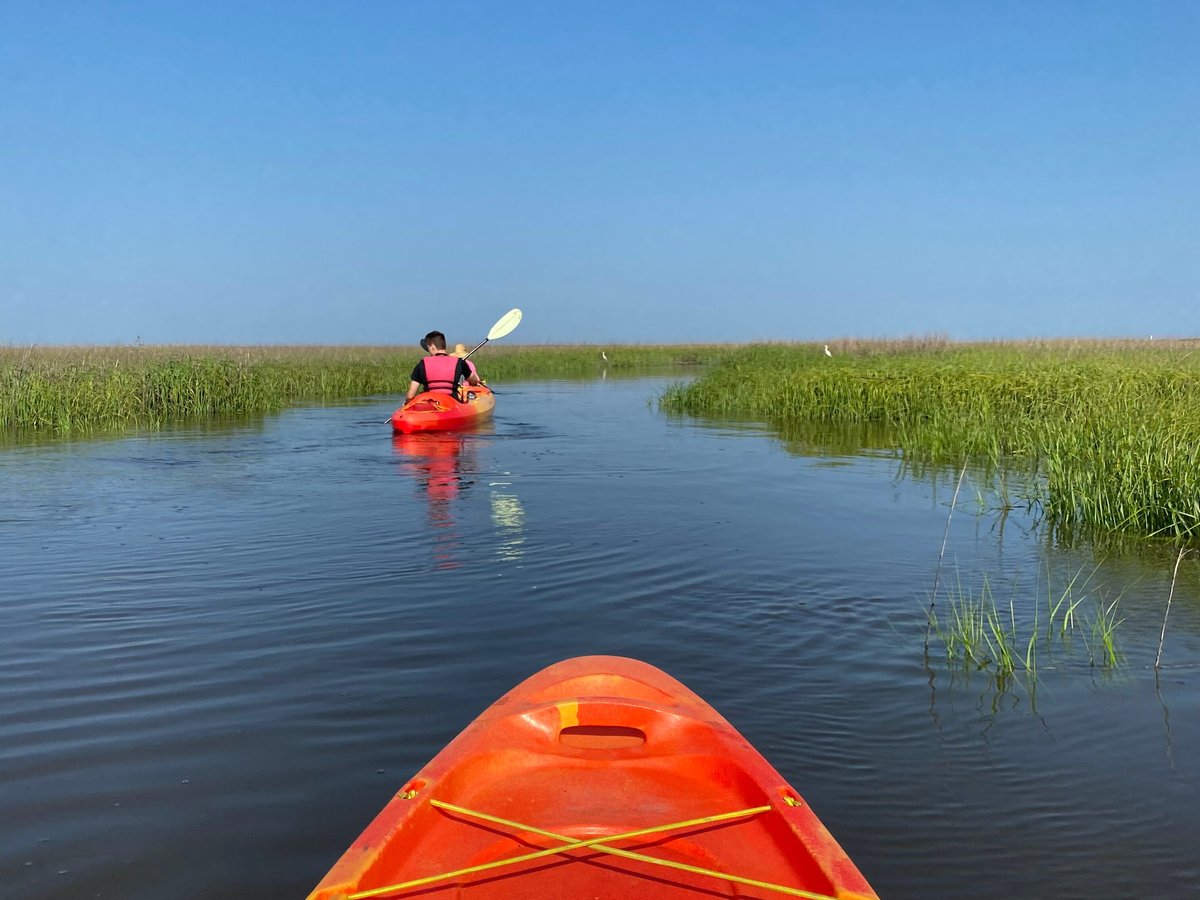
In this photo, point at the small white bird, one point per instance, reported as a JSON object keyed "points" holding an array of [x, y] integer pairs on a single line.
{"points": [[827, 353], [603, 356]]}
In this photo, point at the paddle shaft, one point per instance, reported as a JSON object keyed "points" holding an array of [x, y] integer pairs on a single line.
{"points": [[476, 347]]}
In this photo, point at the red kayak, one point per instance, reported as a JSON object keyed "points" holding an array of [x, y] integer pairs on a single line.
{"points": [[432, 411], [598, 777]]}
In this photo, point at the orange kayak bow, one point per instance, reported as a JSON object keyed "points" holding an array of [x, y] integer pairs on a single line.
{"points": [[597, 777]]}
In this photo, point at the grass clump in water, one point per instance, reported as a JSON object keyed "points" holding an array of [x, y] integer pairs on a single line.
{"points": [[979, 634]]}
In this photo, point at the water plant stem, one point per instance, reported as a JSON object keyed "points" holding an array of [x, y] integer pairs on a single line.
{"points": [[941, 555], [1166, 612]]}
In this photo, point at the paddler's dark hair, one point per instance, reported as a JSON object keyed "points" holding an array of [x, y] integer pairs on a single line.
{"points": [[435, 340]]}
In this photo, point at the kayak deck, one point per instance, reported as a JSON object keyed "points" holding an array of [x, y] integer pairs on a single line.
{"points": [[586, 751], [433, 411]]}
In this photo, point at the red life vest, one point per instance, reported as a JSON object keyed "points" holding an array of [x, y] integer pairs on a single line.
{"points": [[439, 373]]}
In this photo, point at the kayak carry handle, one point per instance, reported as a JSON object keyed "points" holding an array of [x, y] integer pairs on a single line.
{"points": [[602, 737]]}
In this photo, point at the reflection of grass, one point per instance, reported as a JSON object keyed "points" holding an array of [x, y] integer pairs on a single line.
{"points": [[1110, 431], [979, 634]]}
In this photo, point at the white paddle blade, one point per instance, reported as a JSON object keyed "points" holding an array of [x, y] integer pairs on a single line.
{"points": [[511, 320]]}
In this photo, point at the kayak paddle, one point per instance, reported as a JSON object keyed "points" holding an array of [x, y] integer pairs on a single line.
{"points": [[507, 323]]}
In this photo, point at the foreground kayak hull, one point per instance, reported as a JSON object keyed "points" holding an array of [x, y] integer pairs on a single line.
{"points": [[431, 411], [539, 797]]}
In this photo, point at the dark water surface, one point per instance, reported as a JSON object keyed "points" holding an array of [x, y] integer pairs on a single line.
{"points": [[222, 650]]}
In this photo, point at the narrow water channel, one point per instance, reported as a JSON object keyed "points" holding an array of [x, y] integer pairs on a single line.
{"points": [[222, 649]]}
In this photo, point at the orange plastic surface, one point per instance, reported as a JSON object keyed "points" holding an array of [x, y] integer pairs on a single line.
{"points": [[430, 411], [595, 746]]}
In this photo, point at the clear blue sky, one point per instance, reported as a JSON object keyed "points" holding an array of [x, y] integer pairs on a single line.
{"points": [[361, 172]]}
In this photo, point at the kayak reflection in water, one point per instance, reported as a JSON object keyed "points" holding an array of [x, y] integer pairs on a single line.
{"points": [[436, 461]]}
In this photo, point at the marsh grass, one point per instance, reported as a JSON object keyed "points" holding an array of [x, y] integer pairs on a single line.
{"points": [[1102, 646], [70, 390], [978, 633], [1106, 433], [67, 390]]}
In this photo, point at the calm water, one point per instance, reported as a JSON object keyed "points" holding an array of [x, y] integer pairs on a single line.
{"points": [[222, 650]]}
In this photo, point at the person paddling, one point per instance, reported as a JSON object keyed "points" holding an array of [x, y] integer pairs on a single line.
{"points": [[439, 371]]}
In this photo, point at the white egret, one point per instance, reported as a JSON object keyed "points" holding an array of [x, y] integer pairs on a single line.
{"points": [[603, 356], [827, 353]]}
